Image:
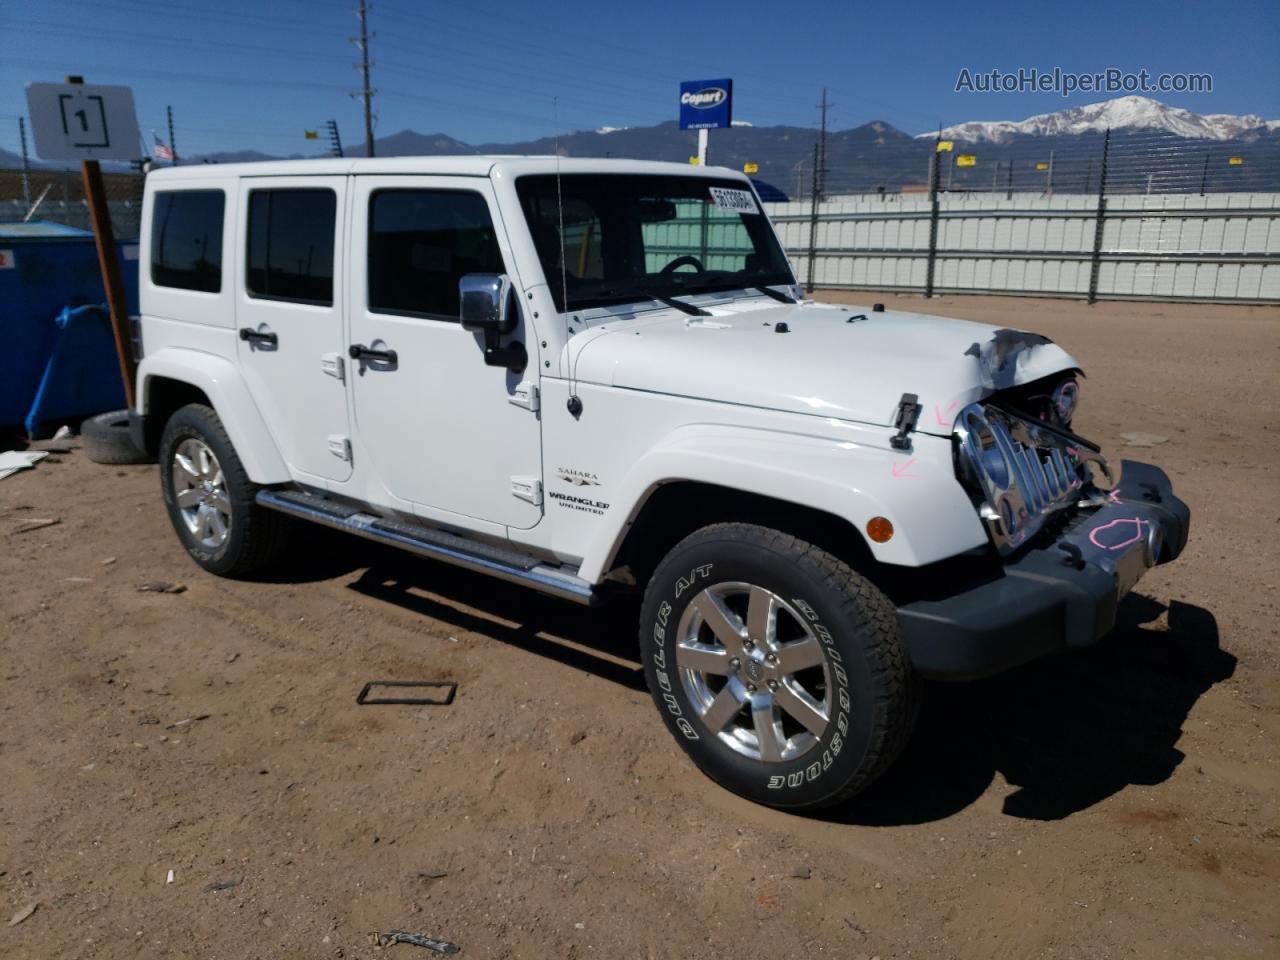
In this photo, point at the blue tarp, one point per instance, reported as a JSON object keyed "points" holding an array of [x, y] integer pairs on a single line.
{"points": [[83, 372]]}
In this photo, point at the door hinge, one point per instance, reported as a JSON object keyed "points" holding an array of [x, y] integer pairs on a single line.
{"points": [[340, 446], [525, 395], [527, 488], [331, 363]]}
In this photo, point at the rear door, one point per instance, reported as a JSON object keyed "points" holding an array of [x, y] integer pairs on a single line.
{"points": [[289, 310]]}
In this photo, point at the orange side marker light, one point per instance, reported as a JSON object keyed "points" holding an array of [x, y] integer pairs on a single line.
{"points": [[880, 529]]}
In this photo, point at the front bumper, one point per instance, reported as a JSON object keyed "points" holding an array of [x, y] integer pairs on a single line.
{"points": [[1053, 598]]}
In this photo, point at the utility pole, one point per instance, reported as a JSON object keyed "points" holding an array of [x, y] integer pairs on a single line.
{"points": [[26, 164], [173, 144], [1048, 181], [365, 91]]}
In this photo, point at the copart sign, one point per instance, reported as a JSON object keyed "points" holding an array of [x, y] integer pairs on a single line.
{"points": [[705, 104]]}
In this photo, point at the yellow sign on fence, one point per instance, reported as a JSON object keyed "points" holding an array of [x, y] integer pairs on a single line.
{"points": [[945, 145], [311, 134], [751, 168], [1042, 165], [966, 160], [694, 160], [1236, 161]]}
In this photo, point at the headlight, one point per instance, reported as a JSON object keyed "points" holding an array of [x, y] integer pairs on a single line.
{"points": [[1064, 399]]}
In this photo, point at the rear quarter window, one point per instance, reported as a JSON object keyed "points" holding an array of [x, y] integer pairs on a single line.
{"points": [[290, 245], [186, 239]]}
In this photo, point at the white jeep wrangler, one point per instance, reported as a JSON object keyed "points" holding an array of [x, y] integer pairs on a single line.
{"points": [[589, 376]]}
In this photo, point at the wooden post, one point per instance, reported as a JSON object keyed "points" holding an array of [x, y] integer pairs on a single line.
{"points": [[95, 195]]}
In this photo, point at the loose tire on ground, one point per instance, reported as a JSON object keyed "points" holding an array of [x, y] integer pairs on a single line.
{"points": [[210, 498], [738, 612], [105, 439]]}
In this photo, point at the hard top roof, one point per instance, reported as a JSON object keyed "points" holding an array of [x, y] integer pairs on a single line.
{"points": [[473, 166]]}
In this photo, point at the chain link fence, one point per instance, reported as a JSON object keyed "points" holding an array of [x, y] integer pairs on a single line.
{"points": [[58, 196]]}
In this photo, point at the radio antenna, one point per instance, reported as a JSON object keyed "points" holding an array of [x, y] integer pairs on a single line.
{"points": [[574, 403], [564, 279]]}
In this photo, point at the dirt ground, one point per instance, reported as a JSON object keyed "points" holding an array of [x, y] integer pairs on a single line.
{"points": [[1120, 803]]}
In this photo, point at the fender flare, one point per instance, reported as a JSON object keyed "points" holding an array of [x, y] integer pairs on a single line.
{"points": [[932, 516], [229, 395]]}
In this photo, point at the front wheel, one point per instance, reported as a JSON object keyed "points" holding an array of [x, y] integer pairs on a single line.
{"points": [[779, 669], [211, 499]]}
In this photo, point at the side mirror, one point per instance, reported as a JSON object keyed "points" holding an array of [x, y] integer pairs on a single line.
{"points": [[485, 300], [485, 306]]}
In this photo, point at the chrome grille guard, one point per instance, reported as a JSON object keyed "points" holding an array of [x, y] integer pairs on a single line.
{"points": [[1024, 470]]}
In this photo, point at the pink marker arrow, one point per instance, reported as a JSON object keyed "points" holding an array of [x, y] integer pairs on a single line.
{"points": [[902, 472], [941, 415]]}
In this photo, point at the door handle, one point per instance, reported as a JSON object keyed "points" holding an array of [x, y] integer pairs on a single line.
{"points": [[259, 338], [358, 351]]}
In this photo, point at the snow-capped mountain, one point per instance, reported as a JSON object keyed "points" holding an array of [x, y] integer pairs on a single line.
{"points": [[1122, 113]]}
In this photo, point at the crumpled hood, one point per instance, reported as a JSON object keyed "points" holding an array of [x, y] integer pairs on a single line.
{"points": [[832, 361]]}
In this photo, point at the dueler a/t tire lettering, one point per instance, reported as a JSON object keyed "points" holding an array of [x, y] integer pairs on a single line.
{"points": [[870, 693]]}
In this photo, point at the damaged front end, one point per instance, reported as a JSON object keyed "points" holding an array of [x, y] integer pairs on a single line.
{"points": [[1073, 536], [1024, 471]]}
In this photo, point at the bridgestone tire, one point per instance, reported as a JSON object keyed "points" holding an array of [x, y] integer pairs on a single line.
{"points": [[255, 536], [872, 695], [105, 439]]}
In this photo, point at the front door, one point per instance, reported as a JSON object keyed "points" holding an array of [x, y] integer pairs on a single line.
{"points": [[443, 430], [289, 310]]}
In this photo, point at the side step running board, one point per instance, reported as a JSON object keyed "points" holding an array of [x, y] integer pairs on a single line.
{"points": [[436, 544]]}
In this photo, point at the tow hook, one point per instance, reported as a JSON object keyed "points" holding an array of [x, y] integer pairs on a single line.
{"points": [[1074, 555]]}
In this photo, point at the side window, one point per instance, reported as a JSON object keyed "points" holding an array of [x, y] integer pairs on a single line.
{"points": [[420, 243], [186, 239], [290, 248]]}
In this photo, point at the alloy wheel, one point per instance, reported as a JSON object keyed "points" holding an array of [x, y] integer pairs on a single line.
{"points": [[754, 671], [200, 491]]}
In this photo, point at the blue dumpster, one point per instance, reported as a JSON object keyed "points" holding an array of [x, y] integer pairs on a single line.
{"points": [[44, 268]]}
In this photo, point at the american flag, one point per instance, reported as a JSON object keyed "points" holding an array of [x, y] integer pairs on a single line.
{"points": [[162, 150]]}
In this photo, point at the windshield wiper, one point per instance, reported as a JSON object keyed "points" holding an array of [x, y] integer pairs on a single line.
{"points": [[683, 307], [776, 294]]}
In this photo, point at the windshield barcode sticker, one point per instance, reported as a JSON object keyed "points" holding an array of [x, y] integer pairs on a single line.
{"points": [[735, 201]]}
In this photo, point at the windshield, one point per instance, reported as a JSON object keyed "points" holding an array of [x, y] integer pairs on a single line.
{"points": [[628, 238]]}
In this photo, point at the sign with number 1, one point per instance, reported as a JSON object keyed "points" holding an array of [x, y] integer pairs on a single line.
{"points": [[80, 121]]}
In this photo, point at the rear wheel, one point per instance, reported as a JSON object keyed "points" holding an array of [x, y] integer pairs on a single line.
{"points": [[211, 499], [779, 669]]}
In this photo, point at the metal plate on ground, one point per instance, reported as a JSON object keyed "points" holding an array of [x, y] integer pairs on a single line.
{"points": [[440, 693]]}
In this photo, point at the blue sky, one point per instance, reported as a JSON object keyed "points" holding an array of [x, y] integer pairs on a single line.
{"points": [[245, 74]]}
